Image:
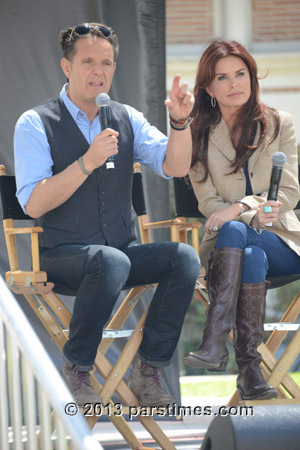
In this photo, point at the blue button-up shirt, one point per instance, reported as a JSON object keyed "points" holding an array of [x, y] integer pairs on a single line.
{"points": [[33, 161]]}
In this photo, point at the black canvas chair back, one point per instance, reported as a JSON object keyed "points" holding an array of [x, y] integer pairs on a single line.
{"points": [[185, 200], [10, 205], [138, 196]]}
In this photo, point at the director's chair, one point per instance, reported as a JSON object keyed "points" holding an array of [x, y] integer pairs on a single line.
{"points": [[185, 206], [275, 371], [41, 296]]}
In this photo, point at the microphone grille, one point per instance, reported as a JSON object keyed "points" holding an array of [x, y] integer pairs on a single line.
{"points": [[102, 100], [278, 159]]}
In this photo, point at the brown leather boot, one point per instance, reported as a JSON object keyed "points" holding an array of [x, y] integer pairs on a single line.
{"points": [[249, 333], [144, 381], [224, 277]]}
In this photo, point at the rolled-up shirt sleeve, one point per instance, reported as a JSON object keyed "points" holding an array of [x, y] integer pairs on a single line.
{"points": [[149, 143], [33, 161]]}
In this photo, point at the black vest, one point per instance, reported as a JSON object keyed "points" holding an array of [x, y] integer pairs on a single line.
{"points": [[100, 211]]}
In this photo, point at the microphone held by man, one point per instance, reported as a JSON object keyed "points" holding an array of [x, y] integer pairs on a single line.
{"points": [[103, 103]]}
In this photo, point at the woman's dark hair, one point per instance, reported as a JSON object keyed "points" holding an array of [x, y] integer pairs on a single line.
{"points": [[251, 116], [69, 37]]}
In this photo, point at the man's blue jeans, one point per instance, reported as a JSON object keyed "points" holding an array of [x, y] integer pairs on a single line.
{"points": [[265, 254], [98, 273]]}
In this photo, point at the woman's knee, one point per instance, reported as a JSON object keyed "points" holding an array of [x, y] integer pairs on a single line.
{"points": [[255, 265], [232, 234]]}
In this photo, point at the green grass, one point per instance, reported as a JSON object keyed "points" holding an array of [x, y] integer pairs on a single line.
{"points": [[222, 386]]}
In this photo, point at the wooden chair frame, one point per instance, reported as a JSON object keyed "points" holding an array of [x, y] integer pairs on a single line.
{"points": [[275, 371], [55, 317], [179, 229]]}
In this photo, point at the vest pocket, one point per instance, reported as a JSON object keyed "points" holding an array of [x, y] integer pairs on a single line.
{"points": [[62, 223]]}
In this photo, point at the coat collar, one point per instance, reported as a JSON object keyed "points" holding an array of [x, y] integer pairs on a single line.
{"points": [[220, 138]]}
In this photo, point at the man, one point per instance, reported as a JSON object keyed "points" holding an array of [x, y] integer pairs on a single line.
{"points": [[85, 209]]}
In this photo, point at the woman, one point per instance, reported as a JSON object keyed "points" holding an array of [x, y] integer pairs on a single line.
{"points": [[234, 138]]}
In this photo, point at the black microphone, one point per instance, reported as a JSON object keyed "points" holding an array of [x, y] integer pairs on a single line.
{"points": [[278, 160], [103, 103]]}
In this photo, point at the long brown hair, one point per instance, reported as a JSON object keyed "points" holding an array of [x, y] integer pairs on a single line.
{"points": [[251, 117]]}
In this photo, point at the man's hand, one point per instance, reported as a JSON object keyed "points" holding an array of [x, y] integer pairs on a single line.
{"points": [[53, 191], [104, 145], [181, 101]]}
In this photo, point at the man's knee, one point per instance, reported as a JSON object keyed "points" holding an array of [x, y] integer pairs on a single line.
{"points": [[108, 261], [189, 260]]}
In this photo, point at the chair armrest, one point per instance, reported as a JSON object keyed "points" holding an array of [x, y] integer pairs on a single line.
{"points": [[189, 225], [162, 224], [11, 245], [27, 278], [23, 230]]}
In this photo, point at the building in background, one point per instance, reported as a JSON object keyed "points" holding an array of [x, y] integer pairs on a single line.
{"points": [[270, 30]]}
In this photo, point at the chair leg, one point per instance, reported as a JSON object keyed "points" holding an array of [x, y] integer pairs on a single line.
{"points": [[40, 307], [288, 389], [122, 314], [285, 362], [117, 372], [114, 383], [114, 378]]}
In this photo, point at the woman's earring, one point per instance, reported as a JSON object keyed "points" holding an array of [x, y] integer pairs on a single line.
{"points": [[213, 101]]}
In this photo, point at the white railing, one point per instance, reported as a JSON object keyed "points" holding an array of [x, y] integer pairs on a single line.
{"points": [[33, 396]]}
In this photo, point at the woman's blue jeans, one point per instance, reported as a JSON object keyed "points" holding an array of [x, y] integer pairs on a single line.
{"points": [[98, 273], [265, 254]]}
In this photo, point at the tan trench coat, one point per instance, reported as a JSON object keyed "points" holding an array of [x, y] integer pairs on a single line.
{"points": [[220, 190]]}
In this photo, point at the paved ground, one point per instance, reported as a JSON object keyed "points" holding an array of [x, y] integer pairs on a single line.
{"points": [[187, 433]]}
